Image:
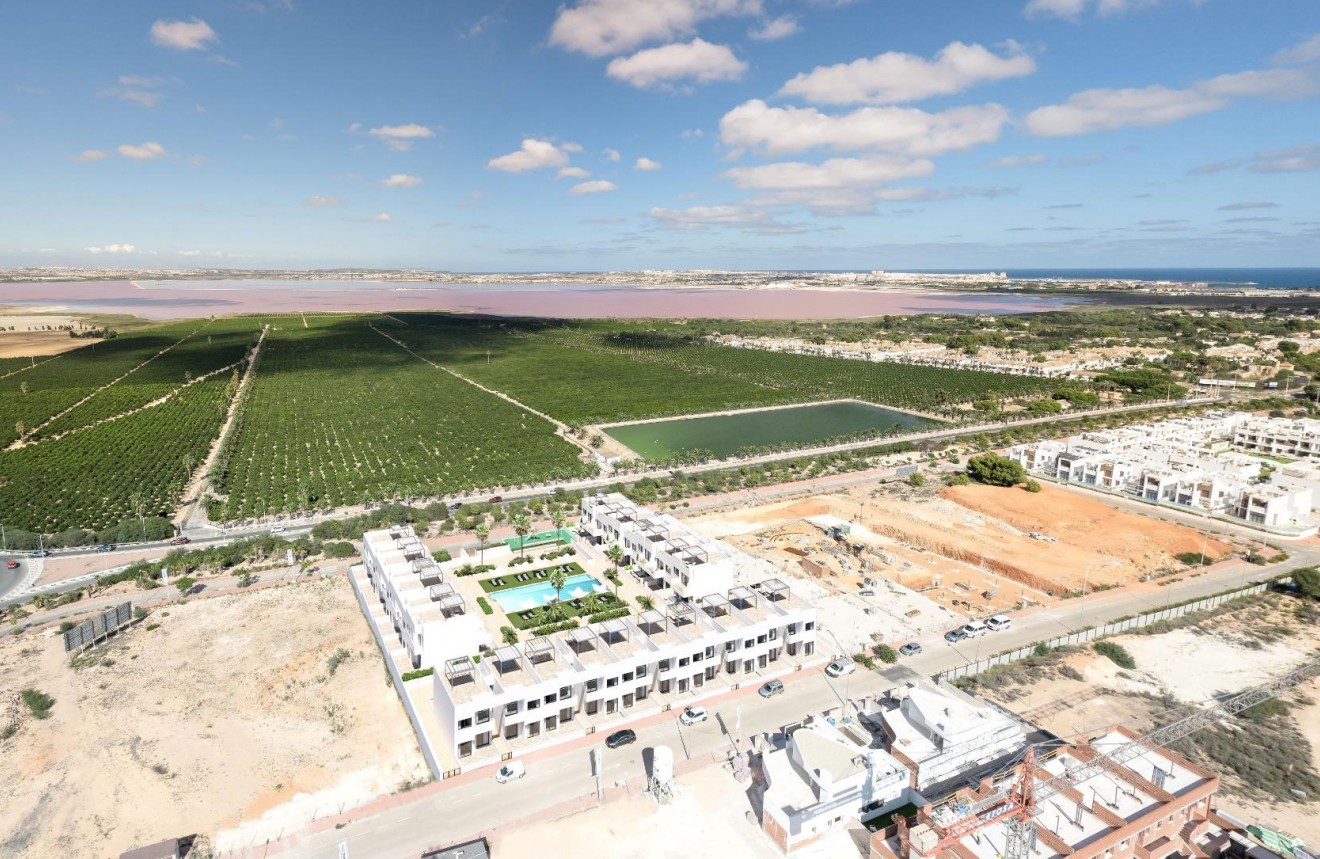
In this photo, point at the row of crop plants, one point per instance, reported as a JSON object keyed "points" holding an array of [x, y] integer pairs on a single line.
{"points": [[33, 397], [339, 415]]}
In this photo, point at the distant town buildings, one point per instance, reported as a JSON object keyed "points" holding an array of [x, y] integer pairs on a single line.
{"points": [[1265, 471]]}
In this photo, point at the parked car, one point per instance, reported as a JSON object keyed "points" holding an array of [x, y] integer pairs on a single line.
{"points": [[840, 667], [180, 541], [998, 622], [277, 529], [974, 629], [41, 553], [954, 636], [106, 547], [13, 565], [910, 649], [693, 715], [621, 738], [457, 505], [496, 499], [511, 771], [771, 688]]}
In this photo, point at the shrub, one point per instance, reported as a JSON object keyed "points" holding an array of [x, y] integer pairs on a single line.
{"points": [[66, 626], [609, 614], [336, 659], [485, 606], [549, 628], [958, 479], [885, 653], [419, 673], [38, 703], [1032, 486], [510, 634], [1307, 580], [339, 549], [185, 584], [916, 479], [1116, 653], [995, 470], [441, 555], [1194, 559], [863, 660], [140, 612], [1071, 673], [646, 602], [1042, 649]]}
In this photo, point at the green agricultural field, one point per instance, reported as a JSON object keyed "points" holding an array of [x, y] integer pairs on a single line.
{"points": [[575, 385], [104, 474], [339, 414], [34, 396]]}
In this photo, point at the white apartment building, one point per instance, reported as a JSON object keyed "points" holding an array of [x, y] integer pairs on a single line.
{"points": [[664, 551], [1194, 462], [939, 733], [826, 776], [567, 683], [1299, 438], [429, 616]]}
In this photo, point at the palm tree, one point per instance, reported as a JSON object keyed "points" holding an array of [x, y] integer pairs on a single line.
{"points": [[522, 526], [615, 554], [481, 531], [591, 604], [557, 518], [558, 578]]}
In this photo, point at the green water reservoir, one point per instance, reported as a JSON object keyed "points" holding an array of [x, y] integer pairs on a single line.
{"points": [[724, 435]]}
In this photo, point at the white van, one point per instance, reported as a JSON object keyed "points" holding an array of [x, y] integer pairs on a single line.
{"points": [[973, 629], [998, 622]]}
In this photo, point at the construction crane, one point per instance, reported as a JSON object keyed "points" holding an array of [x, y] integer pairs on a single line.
{"points": [[1015, 804]]}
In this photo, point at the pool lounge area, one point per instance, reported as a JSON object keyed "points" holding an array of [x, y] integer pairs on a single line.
{"points": [[539, 593]]}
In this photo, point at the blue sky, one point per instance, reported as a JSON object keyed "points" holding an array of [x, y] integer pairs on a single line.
{"points": [[623, 134]]}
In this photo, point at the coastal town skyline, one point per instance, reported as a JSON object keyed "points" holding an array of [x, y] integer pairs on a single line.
{"points": [[701, 134]]}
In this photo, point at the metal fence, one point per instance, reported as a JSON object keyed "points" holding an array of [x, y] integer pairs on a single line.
{"points": [[436, 772], [105, 624], [1095, 632]]}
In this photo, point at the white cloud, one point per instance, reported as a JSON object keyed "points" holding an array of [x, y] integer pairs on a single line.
{"points": [[569, 146], [600, 28], [691, 133], [1016, 161], [572, 173], [647, 164], [322, 202], [897, 77], [402, 180], [776, 28], [533, 155], [197, 160], [382, 218], [831, 173], [194, 35], [754, 125], [700, 218], [90, 155], [112, 249], [1294, 159], [148, 151], [190, 253], [1110, 109], [1073, 9], [400, 138], [698, 61], [611, 154], [1307, 51], [593, 187]]}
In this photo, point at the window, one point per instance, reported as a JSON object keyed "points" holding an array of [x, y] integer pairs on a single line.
{"points": [[511, 708], [593, 685], [684, 662], [730, 646], [550, 699], [761, 639], [627, 677], [483, 716], [534, 703], [464, 723], [565, 692], [811, 624], [749, 643], [641, 670], [792, 628], [774, 633], [696, 657], [710, 652], [612, 682]]}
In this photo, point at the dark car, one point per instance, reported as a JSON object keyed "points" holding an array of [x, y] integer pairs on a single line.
{"points": [[106, 547], [954, 636], [910, 649], [496, 499], [180, 541], [621, 738], [41, 553]]}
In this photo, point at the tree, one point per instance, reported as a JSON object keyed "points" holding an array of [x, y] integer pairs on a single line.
{"points": [[916, 479], [557, 518], [522, 526], [184, 585], [1032, 486], [558, 578], [481, 530], [1307, 580], [615, 554], [995, 470], [23, 387]]}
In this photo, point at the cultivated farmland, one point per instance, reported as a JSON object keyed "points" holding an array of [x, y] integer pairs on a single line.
{"points": [[339, 414]]}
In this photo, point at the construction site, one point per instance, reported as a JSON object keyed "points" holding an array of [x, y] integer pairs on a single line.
{"points": [[894, 561]]}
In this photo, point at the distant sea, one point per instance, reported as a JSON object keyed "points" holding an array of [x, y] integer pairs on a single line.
{"points": [[1273, 278]]}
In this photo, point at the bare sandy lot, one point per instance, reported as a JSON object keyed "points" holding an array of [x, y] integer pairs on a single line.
{"points": [[202, 716], [21, 344]]}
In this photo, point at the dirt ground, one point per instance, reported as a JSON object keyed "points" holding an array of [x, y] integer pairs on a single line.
{"points": [[202, 716], [1223, 655], [967, 549], [21, 344]]}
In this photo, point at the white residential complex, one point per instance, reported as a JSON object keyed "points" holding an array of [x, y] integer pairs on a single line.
{"points": [[667, 553], [1230, 464]]}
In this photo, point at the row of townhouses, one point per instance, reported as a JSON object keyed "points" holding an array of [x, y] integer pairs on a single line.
{"points": [[1228, 464]]}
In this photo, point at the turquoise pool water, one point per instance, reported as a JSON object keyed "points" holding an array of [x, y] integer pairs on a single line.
{"points": [[539, 593]]}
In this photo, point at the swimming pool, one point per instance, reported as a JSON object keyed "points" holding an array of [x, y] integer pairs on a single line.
{"points": [[541, 592]]}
